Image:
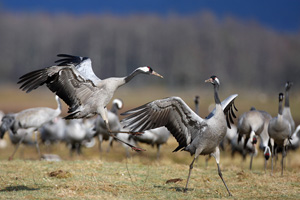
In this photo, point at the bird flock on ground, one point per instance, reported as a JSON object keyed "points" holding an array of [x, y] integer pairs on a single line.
{"points": [[72, 79]]}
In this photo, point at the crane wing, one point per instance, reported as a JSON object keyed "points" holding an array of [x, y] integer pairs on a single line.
{"points": [[172, 113], [82, 64], [65, 81], [227, 106]]}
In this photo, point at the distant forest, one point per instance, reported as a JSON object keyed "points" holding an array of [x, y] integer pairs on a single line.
{"points": [[186, 50]]}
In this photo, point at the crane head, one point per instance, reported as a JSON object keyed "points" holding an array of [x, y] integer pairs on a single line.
{"points": [[149, 70], [281, 97], [213, 80]]}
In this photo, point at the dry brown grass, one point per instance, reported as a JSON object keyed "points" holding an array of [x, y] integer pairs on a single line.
{"points": [[141, 176]]}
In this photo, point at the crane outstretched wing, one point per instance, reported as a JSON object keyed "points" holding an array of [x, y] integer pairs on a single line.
{"points": [[82, 64], [172, 113], [65, 81], [227, 106]]}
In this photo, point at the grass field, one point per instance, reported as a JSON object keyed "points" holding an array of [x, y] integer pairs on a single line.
{"points": [[113, 176]]}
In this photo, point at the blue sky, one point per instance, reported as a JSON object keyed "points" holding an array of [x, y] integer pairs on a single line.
{"points": [[282, 15]]}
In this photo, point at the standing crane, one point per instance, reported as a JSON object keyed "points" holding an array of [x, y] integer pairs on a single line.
{"points": [[194, 134], [74, 81], [280, 131], [29, 118], [286, 112]]}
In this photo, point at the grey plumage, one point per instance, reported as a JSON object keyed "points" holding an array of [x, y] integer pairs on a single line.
{"points": [[280, 131], [77, 133], [29, 118], [286, 112], [194, 134], [114, 124], [74, 81], [53, 131], [295, 139], [155, 137], [250, 123]]}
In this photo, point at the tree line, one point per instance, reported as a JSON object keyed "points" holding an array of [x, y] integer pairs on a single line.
{"points": [[185, 49]]}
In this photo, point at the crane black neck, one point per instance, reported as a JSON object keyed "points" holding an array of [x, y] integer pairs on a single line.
{"points": [[280, 108], [130, 76], [287, 102], [217, 100]]}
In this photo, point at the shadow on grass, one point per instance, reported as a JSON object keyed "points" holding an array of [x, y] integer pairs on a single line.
{"points": [[17, 188]]}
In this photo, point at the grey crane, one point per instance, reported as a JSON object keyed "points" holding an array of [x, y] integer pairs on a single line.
{"points": [[194, 134], [29, 118], [280, 131], [74, 81], [250, 124], [53, 131], [286, 109]]}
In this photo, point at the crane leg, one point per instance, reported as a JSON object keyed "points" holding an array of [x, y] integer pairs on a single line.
{"points": [[110, 142], [37, 144], [115, 137], [17, 146], [282, 161], [190, 171], [103, 113], [100, 137], [272, 159], [251, 159], [158, 152], [216, 155]]}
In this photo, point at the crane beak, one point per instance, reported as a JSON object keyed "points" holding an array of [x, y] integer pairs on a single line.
{"points": [[157, 74], [209, 80]]}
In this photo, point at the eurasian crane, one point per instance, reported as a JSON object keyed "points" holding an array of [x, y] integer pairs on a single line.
{"points": [[194, 134], [280, 131], [286, 112], [74, 81], [29, 118]]}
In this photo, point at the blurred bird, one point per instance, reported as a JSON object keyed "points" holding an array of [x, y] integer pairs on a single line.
{"points": [[295, 140], [78, 133], [29, 118], [74, 81], [286, 112], [250, 124], [194, 134], [238, 147], [53, 131], [280, 131], [155, 137]]}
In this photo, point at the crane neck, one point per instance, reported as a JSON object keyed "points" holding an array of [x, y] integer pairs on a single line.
{"points": [[216, 88], [287, 99], [114, 109], [280, 109], [130, 76]]}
